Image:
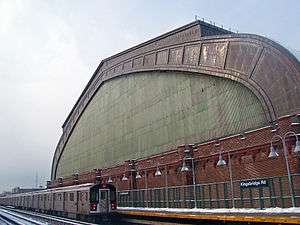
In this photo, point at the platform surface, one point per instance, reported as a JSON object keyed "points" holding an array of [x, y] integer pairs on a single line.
{"points": [[255, 216]]}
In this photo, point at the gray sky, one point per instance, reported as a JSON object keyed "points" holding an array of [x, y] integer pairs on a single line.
{"points": [[49, 50]]}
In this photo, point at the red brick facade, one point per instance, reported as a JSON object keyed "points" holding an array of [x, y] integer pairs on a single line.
{"points": [[249, 159]]}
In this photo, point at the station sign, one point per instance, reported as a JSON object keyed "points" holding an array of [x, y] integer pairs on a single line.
{"points": [[254, 183]]}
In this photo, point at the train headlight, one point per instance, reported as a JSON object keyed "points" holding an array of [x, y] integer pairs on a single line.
{"points": [[93, 206]]}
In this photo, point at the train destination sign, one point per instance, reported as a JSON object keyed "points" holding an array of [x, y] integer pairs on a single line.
{"points": [[254, 183]]}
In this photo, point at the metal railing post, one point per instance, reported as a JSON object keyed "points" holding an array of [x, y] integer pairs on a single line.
{"points": [[194, 183], [231, 180], [146, 189], [288, 168], [166, 183], [131, 184]]}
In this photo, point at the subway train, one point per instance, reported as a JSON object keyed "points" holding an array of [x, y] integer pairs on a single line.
{"points": [[85, 201]]}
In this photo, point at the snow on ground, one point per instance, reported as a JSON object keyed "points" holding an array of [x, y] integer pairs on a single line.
{"points": [[294, 210]]}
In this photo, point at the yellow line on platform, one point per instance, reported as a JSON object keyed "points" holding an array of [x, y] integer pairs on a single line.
{"points": [[219, 217]]}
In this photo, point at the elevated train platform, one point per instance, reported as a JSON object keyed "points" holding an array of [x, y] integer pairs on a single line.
{"points": [[269, 216]]}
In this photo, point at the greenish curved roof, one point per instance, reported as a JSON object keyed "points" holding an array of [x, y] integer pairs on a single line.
{"points": [[152, 112]]}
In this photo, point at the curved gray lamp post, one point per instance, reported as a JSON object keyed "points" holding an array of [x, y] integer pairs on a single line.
{"points": [[185, 168], [222, 162], [274, 154]]}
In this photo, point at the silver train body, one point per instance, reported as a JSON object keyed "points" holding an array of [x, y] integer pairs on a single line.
{"points": [[78, 201]]}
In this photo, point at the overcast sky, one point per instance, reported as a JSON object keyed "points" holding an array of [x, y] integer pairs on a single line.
{"points": [[49, 50]]}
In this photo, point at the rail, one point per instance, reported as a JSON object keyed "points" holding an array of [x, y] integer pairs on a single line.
{"points": [[49, 218], [274, 193], [13, 218]]}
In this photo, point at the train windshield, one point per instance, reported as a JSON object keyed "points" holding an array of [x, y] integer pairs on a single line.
{"points": [[94, 194]]}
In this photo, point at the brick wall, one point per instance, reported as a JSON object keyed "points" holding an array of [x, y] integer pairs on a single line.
{"points": [[248, 155]]}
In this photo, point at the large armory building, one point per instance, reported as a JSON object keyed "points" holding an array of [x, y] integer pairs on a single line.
{"points": [[156, 119]]}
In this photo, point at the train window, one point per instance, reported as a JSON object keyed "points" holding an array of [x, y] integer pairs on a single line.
{"points": [[86, 196], [94, 195], [72, 197], [59, 196], [103, 195], [80, 196]]}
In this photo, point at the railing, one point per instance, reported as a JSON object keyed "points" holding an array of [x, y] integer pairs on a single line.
{"points": [[275, 193], [215, 24]]}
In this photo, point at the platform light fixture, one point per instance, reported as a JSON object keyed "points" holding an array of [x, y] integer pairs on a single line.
{"points": [[124, 178], [221, 161], [184, 167], [273, 152], [157, 172], [297, 147], [138, 175]]}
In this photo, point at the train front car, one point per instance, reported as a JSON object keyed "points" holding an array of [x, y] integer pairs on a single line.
{"points": [[102, 199]]}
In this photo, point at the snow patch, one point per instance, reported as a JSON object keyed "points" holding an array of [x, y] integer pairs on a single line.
{"points": [[294, 210]]}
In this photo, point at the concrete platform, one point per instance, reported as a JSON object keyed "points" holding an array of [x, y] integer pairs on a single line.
{"points": [[252, 217]]}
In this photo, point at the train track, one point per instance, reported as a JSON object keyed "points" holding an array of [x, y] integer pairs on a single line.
{"points": [[12, 216], [53, 220]]}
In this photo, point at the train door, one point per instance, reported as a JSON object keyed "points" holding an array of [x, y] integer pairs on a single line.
{"points": [[45, 199], [54, 199], [64, 200], [104, 200], [32, 201], [77, 202]]}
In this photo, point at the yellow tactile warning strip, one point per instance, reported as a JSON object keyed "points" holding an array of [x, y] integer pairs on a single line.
{"points": [[280, 219]]}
